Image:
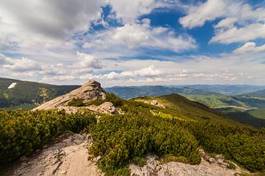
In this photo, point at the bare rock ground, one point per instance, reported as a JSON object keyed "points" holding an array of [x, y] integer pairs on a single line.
{"points": [[154, 168], [68, 157]]}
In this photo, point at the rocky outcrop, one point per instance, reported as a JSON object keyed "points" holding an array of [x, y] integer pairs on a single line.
{"points": [[106, 107], [154, 167], [88, 92]]}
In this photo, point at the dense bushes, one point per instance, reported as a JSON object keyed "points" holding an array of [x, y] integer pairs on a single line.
{"points": [[119, 139], [21, 132], [240, 143]]}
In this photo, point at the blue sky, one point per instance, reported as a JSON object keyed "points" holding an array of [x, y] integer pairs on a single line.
{"points": [[140, 42]]}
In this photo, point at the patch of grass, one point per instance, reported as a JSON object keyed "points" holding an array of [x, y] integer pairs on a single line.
{"points": [[172, 158]]}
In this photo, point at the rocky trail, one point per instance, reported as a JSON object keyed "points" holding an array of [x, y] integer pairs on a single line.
{"points": [[69, 156]]}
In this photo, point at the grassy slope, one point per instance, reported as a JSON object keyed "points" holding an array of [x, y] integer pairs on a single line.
{"points": [[182, 108]]}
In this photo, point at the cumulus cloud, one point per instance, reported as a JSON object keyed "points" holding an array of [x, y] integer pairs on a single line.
{"points": [[242, 34], [135, 36], [199, 14], [88, 61], [250, 48], [19, 65], [49, 41], [51, 18], [129, 10], [239, 21]]}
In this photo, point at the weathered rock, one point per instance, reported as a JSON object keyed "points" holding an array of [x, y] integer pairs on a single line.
{"points": [[155, 168], [106, 107], [88, 92]]}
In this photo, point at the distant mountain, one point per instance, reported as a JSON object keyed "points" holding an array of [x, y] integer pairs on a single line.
{"points": [[229, 89], [138, 91], [259, 93], [16, 93], [196, 93]]}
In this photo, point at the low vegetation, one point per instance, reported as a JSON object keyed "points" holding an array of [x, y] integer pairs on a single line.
{"points": [[22, 132], [174, 133], [119, 139]]}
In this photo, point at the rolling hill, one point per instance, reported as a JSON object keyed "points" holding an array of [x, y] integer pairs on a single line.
{"points": [[16, 93], [245, 108]]}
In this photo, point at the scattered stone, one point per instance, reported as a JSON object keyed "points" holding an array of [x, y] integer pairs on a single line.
{"points": [[154, 168]]}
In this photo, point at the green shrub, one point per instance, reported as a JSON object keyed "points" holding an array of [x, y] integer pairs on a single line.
{"points": [[239, 143], [119, 139], [21, 132], [117, 101]]}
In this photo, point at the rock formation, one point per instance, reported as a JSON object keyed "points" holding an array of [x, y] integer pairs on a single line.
{"points": [[88, 93]]}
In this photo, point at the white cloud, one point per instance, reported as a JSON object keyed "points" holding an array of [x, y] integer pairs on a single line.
{"points": [[129, 10], [239, 21], [39, 35], [88, 61], [199, 14], [229, 68], [21, 65], [243, 34], [250, 48], [226, 23], [51, 18], [147, 72], [135, 36]]}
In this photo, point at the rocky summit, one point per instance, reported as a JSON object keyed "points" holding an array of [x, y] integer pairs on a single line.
{"points": [[83, 97]]}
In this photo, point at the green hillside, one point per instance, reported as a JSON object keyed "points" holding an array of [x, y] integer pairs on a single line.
{"points": [[165, 126], [28, 94]]}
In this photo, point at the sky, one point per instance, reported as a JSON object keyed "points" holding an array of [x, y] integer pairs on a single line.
{"points": [[133, 42]]}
